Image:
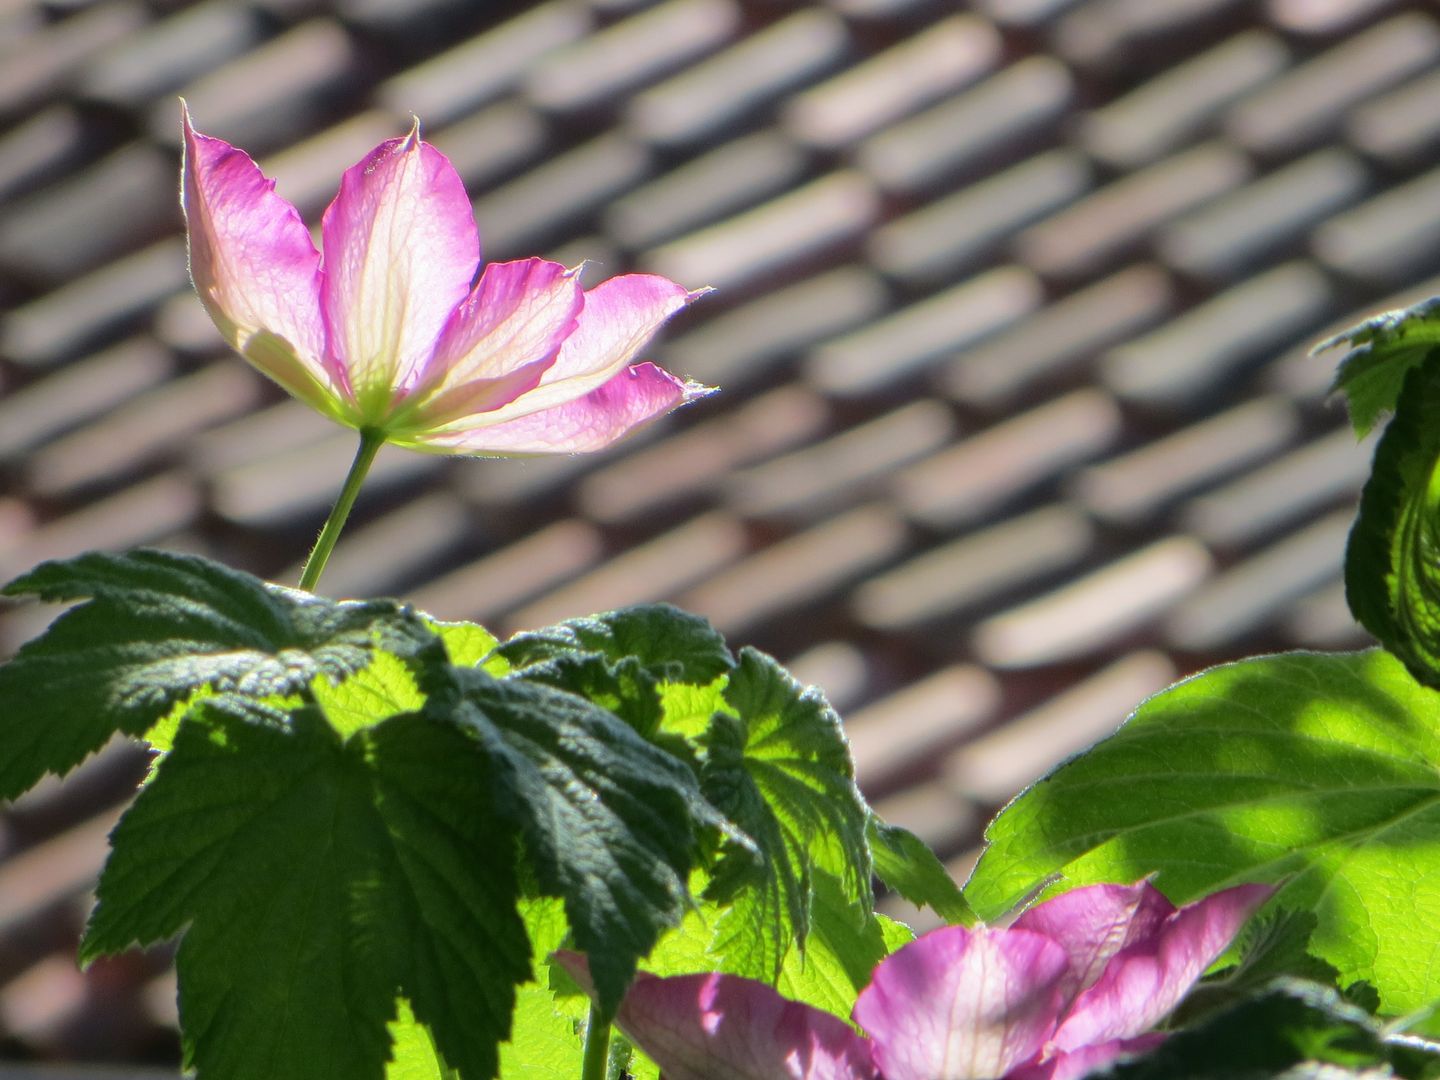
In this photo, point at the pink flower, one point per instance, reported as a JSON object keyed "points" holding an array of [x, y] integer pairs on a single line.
{"points": [[1075, 983], [390, 331]]}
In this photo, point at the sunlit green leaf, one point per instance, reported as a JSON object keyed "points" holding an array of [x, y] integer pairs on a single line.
{"points": [[1383, 350], [1321, 771], [906, 865], [155, 628]]}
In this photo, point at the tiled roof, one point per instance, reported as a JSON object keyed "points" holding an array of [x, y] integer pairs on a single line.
{"points": [[1016, 423]]}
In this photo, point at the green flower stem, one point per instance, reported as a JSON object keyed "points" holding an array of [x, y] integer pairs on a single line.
{"points": [[597, 1047], [370, 442]]}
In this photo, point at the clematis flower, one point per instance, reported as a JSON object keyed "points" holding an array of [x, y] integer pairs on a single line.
{"points": [[390, 332], [1073, 984]]}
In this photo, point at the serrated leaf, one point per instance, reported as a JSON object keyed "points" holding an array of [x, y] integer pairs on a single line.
{"points": [[1319, 769], [158, 627], [610, 822], [672, 645], [907, 866], [1392, 561], [780, 769], [315, 880], [1292, 1030], [622, 687], [1383, 350]]}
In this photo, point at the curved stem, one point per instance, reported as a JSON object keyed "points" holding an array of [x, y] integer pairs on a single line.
{"points": [[370, 443], [597, 1047]]}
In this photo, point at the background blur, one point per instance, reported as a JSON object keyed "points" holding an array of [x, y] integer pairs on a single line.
{"points": [[1012, 310]]}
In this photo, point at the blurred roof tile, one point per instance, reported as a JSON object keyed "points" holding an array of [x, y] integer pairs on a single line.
{"points": [[71, 227], [996, 372], [1104, 33], [132, 433], [819, 216], [806, 567], [621, 58], [1132, 487], [837, 668], [39, 149], [59, 869], [478, 71], [1246, 596], [167, 53], [308, 173], [818, 479], [689, 462], [1184, 362], [1402, 127], [1388, 241], [81, 391], [1323, 17], [996, 765], [1220, 241], [53, 55], [654, 570], [938, 814], [980, 124], [1299, 108], [269, 96], [981, 475], [564, 191], [60, 324], [737, 347], [1164, 113], [499, 581], [1322, 472], [956, 578], [1024, 13], [493, 143], [1321, 619], [1085, 615], [723, 181], [1097, 230], [955, 233], [910, 726], [708, 98], [941, 60], [898, 346]]}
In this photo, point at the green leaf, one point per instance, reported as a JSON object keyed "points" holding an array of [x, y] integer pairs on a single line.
{"points": [[1292, 1030], [157, 628], [1392, 562], [672, 645], [1383, 351], [780, 769], [610, 822], [466, 642], [315, 880], [907, 866], [1321, 770], [622, 687]]}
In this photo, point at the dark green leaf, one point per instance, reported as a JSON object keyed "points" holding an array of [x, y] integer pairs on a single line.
{"points": [[623, 687], [315, 881], [157, 628], [1319, 770], [672, 645], [1383, 350], [610, 821], [780, 769], [907, 866], [1392, 562], [1292, 1030]]}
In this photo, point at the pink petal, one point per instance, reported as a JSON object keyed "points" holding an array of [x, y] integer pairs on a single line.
{"points": [[1074, 1064], [699, 1027], [619, 317], [593, 422], [962, 1004], [1093, 923], [401, 249], [254, 267], [1147, 979], [500, 341]]}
